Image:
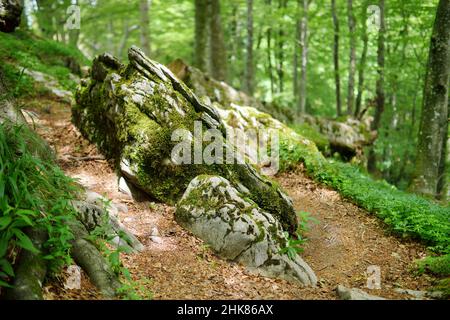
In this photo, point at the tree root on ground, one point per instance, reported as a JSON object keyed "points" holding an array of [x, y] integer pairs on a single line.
{"points": [[30, 271]]}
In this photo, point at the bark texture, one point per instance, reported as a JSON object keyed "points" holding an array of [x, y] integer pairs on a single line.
{"points": [[30, 271], [433, 133]]}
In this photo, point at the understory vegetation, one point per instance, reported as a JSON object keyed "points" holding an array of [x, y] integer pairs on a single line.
{"points": [[34, 193], [407, 214], [24, 50]]}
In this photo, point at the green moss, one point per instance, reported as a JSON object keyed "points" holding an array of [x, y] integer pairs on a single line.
{"points": [[39, 54], [310, 133], [439, 266]]}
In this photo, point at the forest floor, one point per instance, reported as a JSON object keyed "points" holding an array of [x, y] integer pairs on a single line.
{"points": [[341, 244]]}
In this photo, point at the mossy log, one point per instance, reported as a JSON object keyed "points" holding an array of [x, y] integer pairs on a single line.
{"points": [[131, 112]]}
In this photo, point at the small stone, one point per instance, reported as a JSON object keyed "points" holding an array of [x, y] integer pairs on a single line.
{"points": [[155, 232], [156, 239], [121, 207], [73, 281]]}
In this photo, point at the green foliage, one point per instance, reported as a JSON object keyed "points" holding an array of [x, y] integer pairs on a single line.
{"points": [[34, 193], [294, 246], [310, 133], [437, 265], [305, 219], [408, 215], [23, 50]]}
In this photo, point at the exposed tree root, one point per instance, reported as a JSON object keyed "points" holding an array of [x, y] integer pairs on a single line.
{"points": [[30, 271], [88, 257]]}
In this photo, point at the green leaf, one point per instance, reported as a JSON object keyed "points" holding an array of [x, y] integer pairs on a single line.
{"points": [[24, 241], [7, 267], [4, 222], [5, 285]]}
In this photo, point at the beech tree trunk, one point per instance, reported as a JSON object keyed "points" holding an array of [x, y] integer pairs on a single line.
{"points": [[429, 177], [145, 26], [218, 49], [280, 50], [301, 50], [352, 59], [362, 62], [337, 76], [269, 53], [380, 97], [200, 58], [250, 69]]}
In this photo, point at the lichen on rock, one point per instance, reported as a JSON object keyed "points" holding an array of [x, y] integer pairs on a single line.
{"points": [[238, 229]]}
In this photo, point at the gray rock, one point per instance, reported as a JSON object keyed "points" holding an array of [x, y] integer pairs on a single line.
{"points": [[50, 83], [238, 230], [354, 294], [420, 295]]}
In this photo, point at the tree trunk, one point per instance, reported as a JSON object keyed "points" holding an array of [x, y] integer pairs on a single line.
{"points": [[352, 58], [280, 52], [269, 53], [336, 58], [200, 60], [430, 160], [362, 63], [145, 26], [380, 98], [218, 49], [302, 45], [250, 70]]}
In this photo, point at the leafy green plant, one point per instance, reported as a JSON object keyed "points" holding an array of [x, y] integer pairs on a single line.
{"points": [[34, 193], [294, 246], [439, 266], [305, 219]]}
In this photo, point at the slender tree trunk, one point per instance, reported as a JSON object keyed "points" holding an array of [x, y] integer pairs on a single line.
{"points": [[280, 63], [269, 53], [302, 50], [200, 58], [337, 76], [145, 26], [362, 62], [352, 59], [429, 177], [218, 49], [250, 71], [380, 98]]}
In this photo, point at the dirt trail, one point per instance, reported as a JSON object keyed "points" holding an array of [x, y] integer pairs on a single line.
{"points": [[344, 242]]}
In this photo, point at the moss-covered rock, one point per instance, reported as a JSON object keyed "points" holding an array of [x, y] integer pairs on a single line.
{"points": [[347, 136], [237, 229], [131, 112], [222, 93]]}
